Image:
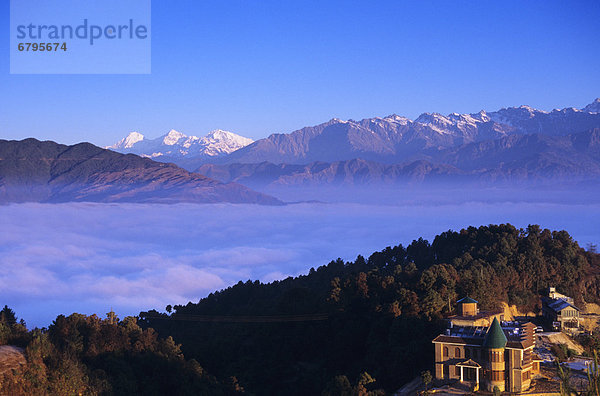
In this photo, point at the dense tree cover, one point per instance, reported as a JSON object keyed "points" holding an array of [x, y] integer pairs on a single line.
{"points": [[86, 355], [11, 331], [382, 313], [589, 342]]}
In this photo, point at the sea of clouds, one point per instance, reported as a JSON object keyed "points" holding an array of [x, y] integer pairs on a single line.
{"points": [[89, 258]]}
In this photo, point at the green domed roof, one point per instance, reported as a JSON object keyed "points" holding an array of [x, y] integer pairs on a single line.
{"points": [[495, 338], [467, 300]]}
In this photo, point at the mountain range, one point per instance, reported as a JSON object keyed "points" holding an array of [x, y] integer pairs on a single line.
{"points": [[514, 158], [35, 171], [512, 145], [391, 139], [396, 139], [509, 145]]}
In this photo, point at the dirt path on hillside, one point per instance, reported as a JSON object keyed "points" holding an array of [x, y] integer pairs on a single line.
{"points": [[562, 338], [11, 357], [510, 312]]}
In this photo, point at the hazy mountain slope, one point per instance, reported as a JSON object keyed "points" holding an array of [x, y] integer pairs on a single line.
{"points": [[36, 171], [379, 139], [531, 156], [511, 158], [352, 172]]}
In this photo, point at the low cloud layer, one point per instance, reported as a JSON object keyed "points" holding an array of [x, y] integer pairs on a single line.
{"points": [[89, 258]]}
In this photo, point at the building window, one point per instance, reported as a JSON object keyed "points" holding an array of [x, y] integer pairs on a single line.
{"points": [[457, 352], [495, 357], [468, 353], [445, 351], [457, 371]]}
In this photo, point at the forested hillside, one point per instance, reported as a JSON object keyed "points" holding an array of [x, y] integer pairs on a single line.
{"points": [[86, 355], [323, 332]]}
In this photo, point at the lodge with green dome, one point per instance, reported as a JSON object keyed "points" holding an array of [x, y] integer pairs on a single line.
{"points": [[484, 357]]}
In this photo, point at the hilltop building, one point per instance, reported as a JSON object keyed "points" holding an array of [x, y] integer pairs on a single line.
{"points": [[559, 310], [469, 314], [486, 355]]}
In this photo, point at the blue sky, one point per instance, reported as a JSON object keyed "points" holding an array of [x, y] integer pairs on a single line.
{"points": [[262, 67]]}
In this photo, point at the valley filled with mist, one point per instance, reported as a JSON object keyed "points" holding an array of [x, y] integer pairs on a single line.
{"points": [[91, 257]]}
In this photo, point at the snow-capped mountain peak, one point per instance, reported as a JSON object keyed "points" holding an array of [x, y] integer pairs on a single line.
{"points": [[220, 142], [435, 121], [128, 141], [593, 107], [395, 118], [482, 116], [219, 134], [173, 137], [177, 144], [528, 108]]}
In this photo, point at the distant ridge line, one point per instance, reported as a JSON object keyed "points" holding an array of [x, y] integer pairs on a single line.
{"points": [[244, 319]]}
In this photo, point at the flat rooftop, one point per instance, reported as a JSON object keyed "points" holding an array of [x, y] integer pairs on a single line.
{"points": [[476, 334], [480, 315]]}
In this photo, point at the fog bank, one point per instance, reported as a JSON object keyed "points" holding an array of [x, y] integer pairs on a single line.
{"points": [[89, 258]]}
